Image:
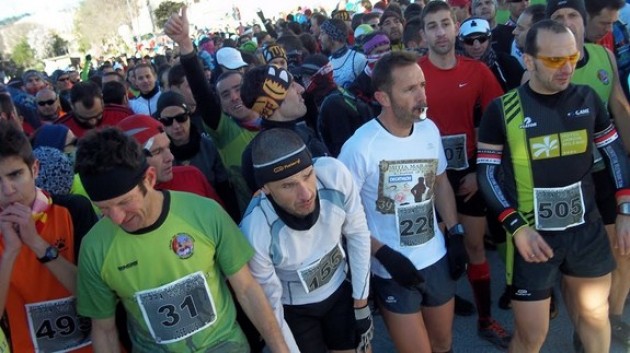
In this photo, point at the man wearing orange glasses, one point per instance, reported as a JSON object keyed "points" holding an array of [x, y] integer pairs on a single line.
{"points": [[597, 68], [534, 164]]}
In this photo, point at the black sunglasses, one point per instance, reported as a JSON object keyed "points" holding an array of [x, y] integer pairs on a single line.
{"points": [[48, 102], [168, 121], [471, 40]]}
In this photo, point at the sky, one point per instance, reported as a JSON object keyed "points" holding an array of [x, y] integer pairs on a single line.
{"points": [[11, 8]]}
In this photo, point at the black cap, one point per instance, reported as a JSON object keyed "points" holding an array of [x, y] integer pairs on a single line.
{"points": [[170, 99]]}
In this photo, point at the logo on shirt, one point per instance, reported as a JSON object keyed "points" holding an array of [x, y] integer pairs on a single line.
{"points": [[128, 266], [556, 145], [462, 85], [602, 75], [579, 113], [545, 147], [183, 245], [528, 123]]}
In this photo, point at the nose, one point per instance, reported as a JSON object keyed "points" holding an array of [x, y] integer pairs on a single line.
{"points": [[7, 188], [235, 95], [116, 214], [168, 156], [304, 192]]}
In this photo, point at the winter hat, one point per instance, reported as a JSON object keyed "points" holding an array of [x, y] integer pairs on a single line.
{"points": [[142, 128], [336, 29], [249, 47], [273, 51], [56, 172], [555, 5], [169, 99], [51, 136], [273, 91], [387, 14]]}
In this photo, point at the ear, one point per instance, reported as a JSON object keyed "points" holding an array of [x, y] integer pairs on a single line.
{"points": [[150, 176], [265, 189], [528, 60], [35, 169], [382, 98]]}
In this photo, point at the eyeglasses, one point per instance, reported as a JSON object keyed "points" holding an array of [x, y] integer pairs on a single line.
{"points": [[471, 40], [168, 121], [48, 102], [63, 79], [556, 62]]}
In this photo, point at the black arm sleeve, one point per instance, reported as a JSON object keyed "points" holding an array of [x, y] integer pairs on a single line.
{"points": [[207, 103]]}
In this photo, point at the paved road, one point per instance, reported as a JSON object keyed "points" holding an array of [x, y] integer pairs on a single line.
{"points": [[465, 337]]}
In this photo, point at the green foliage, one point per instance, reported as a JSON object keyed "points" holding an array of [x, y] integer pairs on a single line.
{"points": [[164, 11], [58, 45], [23, 55]]}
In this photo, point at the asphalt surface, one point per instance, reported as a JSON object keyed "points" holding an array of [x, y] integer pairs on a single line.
{"points": [[465, 339]]}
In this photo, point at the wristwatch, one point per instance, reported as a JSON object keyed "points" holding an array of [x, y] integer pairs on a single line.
{"points": [[457, 229], [624, 208], [51, 254]]}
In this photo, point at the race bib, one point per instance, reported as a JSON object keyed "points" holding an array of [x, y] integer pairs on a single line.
{"points": [[179, 309], [559, 208], [415, 223], [455, 151], [321, 272], [55, 326]]}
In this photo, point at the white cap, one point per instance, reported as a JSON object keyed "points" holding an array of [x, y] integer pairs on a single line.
{"points": [[230, 58], [474, 25]]}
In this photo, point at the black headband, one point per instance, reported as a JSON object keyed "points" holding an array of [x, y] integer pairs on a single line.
{"points": [[112, 183], [283, 167]]}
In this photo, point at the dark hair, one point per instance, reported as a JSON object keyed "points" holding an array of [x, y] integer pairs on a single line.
{"points": [[290, 43], [119, 77], [295, 28], [14, 143], [356, 21], [382, 79], [594, 7], [227, 74], [176, 75], [434, 7], [252, 82], [86, 93], [141, 65], [250, 59], [369, 16], [114, 92], [102, 150], [412, 11], [319, 18], [265, 146], [6, 104], [309, 42], [412, 29], [537, 11], [260, 36], [531, 47]]}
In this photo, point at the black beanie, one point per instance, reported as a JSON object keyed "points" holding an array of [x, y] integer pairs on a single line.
{"points": [[555, 5]]}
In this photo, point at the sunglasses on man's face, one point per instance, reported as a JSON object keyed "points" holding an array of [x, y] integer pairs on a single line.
{"points": [[48, 102], [471, 40], [556, 62], [168, 120]]}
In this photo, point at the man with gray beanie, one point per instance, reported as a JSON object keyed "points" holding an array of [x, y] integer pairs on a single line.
{"points": [[307, 209], [347, 63]]}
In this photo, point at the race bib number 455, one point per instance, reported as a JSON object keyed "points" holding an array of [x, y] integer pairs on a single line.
{"points": [[179, 309]]}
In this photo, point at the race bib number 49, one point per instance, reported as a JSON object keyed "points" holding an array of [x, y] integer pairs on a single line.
{"points": [[179, 309], [559, 208], [55, 326]]}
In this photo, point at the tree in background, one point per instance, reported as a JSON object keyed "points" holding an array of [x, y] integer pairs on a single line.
{"points": [[23, 55], [164, 11]]}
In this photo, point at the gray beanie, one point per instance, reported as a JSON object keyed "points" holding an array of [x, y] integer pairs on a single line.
{"points": [[555, 5]]}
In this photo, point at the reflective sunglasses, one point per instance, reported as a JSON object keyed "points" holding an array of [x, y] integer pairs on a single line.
{"points": [[471, 40], [168, 121], [556, 62], [48, 102]]}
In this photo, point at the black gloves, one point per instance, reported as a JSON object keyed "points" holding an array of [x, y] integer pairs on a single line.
{"points": [[399, 266], [364, 328], [456, 251]]}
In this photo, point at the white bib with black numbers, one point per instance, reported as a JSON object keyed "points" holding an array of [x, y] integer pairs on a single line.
{"points": [[55, 326], [455, 151], [178, 309], [559, 208], [415, 223], [321, 272]]}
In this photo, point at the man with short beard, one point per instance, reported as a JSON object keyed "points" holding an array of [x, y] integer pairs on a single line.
{"points": [[392, 24], [146, 82], [457, 86]]}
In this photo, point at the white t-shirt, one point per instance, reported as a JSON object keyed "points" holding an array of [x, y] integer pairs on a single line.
{"points": [[396, 178]]}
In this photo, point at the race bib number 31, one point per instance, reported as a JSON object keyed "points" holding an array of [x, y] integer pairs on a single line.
{"points": [[559, 208], [415, 223], [55, 326], [179, 309]]}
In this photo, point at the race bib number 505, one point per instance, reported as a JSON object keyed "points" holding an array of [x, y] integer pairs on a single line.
{"points": [[179, 309], [559, 208]]}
